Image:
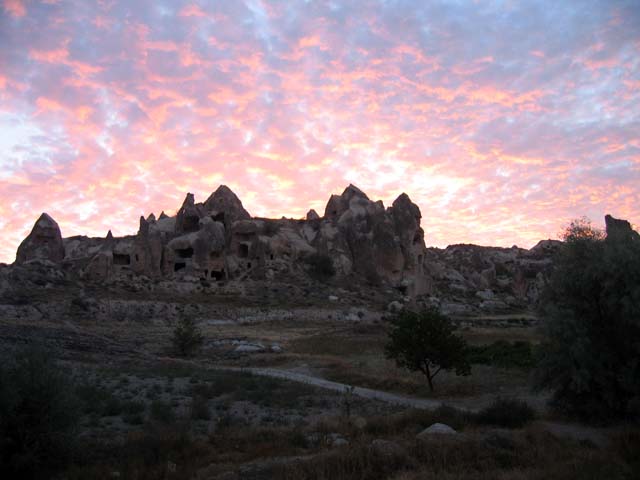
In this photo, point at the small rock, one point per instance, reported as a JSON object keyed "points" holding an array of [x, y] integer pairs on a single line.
{"points": [[395, 307], [485, 294], [249, 348], [339, 442], [437, 429], [333, 298]]}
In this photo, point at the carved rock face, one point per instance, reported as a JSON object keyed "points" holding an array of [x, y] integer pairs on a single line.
{"points": [[43, 243], [224, 206], [218, 239]]}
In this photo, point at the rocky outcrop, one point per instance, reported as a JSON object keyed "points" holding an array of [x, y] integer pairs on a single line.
{"points": [[620, 230], [43, 243], [224, 206]]}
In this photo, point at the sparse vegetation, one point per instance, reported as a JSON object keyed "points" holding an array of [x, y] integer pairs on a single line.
{"points": [[162, 412], [507, 413], [187, 337], [425, 342], [519, 354]]}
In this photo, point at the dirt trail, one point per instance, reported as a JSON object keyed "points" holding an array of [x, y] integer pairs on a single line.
{"points": [[367, 393], [599, 436]]}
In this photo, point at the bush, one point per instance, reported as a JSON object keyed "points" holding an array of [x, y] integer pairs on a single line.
{"points": [[320, 266], [187, 337], [503, 354], [38, 413], [507, 413]]}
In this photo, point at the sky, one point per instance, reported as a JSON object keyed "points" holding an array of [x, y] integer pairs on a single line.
{"points": [[502, 120]]}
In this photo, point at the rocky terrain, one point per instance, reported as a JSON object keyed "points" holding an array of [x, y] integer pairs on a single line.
{"points": [[291, 380], [357, 252]]}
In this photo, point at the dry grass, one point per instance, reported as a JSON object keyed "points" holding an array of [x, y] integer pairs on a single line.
{"points": [[529, 454]]}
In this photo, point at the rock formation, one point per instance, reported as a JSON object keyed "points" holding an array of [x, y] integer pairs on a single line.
{"points": [[219, 240], [43, 243], [372, 246], [620, 230]]}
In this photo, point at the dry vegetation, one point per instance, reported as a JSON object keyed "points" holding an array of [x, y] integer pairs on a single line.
{"points": [[148, 416]]}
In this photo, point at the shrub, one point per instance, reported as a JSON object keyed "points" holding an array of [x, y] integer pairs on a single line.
{"points": [[187, 337], [162, 412], [320, 266], [38, 413], [507, 413], [504, 354]]}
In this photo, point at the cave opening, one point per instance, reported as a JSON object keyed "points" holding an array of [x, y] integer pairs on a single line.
{"points": [[185, 252], [217, 274], [179, 266], [121, 259]]}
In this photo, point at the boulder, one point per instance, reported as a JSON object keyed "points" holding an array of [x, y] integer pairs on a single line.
{"points": [[43, 243], [395, 307], [437, 429], [312, 215]]}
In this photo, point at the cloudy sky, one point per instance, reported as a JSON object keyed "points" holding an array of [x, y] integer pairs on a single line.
{"points": [[502, 120]]}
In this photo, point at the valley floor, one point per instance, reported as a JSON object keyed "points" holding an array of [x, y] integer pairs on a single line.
{"points": [[269, 396]]}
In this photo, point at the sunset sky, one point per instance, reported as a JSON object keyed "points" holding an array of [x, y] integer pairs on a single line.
{"points": [[502, 120]]}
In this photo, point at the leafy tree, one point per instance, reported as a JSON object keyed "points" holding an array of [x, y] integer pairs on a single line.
{"points": [[187, 337], [38, 413], [425, 342], [591, 320]]}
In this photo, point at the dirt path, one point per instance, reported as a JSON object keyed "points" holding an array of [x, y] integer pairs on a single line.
{"points": [[367, 393], [599, 436]]}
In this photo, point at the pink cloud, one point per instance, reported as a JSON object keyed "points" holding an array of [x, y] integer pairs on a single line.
{"points": [[499, 142], [15, 8]]}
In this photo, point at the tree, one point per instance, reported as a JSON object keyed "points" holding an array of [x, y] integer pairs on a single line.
{"points": [[591, 321], [425, 342], [187, 337]]}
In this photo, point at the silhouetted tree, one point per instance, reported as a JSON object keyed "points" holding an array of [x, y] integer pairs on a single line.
{"points": [[591, 320], [425, 342]]}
